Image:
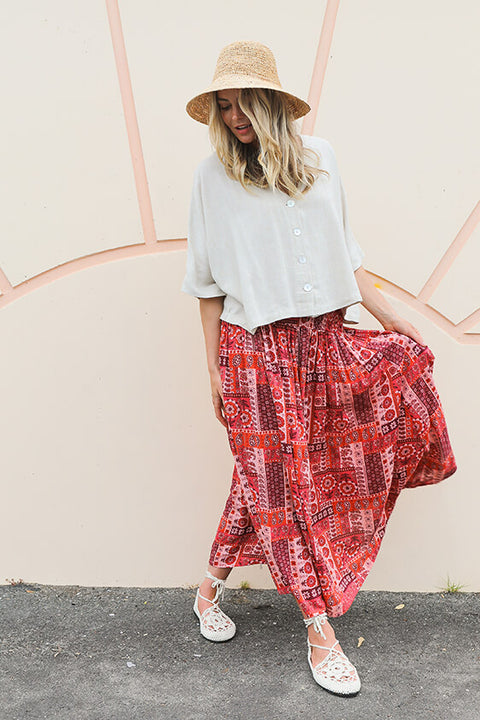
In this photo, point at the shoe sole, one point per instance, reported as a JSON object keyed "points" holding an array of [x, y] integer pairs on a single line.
{"points": [[337, 693]]}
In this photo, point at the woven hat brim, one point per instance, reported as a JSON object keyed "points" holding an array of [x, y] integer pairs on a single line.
{"points": [[198, 106]]}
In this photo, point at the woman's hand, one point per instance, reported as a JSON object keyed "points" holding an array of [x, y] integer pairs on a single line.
{"points": [[400, 325], [374, 301], [217, 396]]}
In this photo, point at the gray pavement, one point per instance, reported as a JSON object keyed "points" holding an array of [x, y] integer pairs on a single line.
{"points": [[130, 653]]}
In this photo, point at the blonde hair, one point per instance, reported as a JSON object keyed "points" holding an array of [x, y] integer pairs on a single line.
{"points": [[280, 161]]}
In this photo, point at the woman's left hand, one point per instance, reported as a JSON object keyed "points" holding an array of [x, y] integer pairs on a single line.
{"points": [[400, 325]]}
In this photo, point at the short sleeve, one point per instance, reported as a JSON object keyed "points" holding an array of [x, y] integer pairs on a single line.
{"points": [[198, 280], [354, 250]]}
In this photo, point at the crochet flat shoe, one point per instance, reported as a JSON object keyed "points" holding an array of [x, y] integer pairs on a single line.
{"points": [[214, 624], [335, 672]]}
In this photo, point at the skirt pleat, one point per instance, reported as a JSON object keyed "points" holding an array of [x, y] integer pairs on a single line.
{"points": [[327, 424]]}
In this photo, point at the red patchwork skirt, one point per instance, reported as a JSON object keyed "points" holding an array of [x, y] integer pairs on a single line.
{"points": [[327, 424]]}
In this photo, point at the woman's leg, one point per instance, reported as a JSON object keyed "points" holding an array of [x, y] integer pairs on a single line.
{"points": [[206, 588], [316, 638]]}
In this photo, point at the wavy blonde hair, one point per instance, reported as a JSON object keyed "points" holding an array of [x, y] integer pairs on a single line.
{"points": [[279, 161]]}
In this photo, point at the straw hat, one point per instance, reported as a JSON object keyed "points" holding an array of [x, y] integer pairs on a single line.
{"points": [[244, 64]]}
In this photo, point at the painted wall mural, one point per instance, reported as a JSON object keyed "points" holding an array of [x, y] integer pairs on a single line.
{"points": [[460, 331]]}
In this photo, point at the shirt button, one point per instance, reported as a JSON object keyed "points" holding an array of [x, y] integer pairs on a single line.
{"points": [[307, 287], [302, 259], [290, 203], [297, 231]]}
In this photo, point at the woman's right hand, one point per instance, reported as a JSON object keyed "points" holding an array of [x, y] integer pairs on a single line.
{"points": [[217, 396]]}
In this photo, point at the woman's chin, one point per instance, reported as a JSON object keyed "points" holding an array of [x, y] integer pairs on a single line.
{"points": [[246, 139], [250, 141]]}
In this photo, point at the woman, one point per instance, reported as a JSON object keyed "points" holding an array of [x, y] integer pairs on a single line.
{"points": [[327, 423]]}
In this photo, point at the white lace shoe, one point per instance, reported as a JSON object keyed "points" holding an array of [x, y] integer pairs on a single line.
{"points": [[214, 624], [335, 672]]}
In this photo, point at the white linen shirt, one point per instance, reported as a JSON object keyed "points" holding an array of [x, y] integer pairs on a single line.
{"points": [[270, 255]]}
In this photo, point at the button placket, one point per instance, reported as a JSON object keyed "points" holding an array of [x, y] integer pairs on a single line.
{"points": [[303, 271]]}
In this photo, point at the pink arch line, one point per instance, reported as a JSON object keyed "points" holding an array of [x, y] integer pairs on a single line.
{"points": [[151, 244]]}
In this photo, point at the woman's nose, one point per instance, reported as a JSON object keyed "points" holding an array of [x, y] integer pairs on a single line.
{"points": [[237, 112]]}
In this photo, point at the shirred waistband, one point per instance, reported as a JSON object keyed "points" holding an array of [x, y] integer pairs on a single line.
{"points": [[329, 319]]}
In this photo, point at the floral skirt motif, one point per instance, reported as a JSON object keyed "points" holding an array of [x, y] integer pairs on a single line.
{"points": [[327, 424]]}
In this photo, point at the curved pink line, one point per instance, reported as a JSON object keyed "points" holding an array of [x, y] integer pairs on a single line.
{"points": [[450, 254], [87, 261], [469, 322], [150, 246], [320, 65], [133, 133], [5, 284], [457, 332]]}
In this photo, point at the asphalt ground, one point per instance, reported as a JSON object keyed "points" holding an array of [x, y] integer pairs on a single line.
{"points": [[136, 653]]}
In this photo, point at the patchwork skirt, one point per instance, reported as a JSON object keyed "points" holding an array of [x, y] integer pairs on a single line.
{"points": [[327, 424]]}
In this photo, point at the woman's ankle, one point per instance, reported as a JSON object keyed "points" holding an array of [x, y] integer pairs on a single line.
{"points": [[206, 586], [206, 589], [220, 572]]}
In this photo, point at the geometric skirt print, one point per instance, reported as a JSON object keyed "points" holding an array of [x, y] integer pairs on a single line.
{"points": [[327, 424]]}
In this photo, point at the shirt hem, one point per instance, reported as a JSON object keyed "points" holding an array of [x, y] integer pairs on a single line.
{"points": [[293, 313]]}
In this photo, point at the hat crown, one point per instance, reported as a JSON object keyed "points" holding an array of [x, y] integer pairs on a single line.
{"points": [[249, 59], [244, 64]]}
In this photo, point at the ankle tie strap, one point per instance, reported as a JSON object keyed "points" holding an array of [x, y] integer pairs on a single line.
{"points": [[317, 621], [219, 584]]}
